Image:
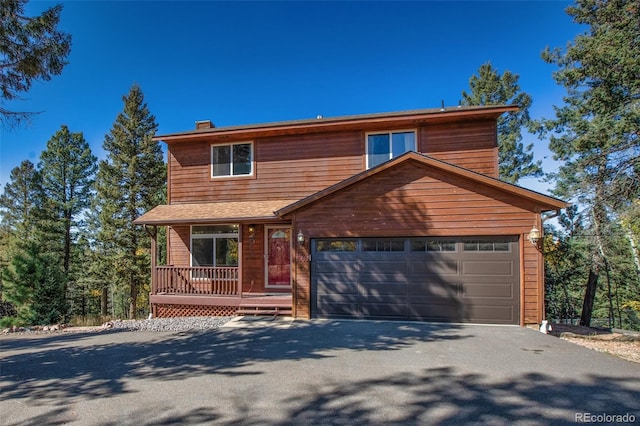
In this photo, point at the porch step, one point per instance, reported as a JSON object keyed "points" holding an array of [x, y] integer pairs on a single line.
{"points": [[263, 310]]}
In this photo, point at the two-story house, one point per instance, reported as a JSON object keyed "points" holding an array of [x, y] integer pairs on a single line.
{"points": [[393, 215]]}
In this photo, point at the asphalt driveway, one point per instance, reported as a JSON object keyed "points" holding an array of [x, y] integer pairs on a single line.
{"points": [[312, 372]]}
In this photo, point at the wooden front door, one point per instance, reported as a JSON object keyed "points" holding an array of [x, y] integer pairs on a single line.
{"points": [[278, 242]]}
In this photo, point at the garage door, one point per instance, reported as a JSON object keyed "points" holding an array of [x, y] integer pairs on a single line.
{"points": [[431, 279]]}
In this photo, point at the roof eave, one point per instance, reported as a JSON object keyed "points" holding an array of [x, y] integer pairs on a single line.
{"points": [[198, 221], [327, 124]]}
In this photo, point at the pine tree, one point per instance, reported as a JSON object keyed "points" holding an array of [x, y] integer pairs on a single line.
{"points": [[515, 160], [20, 199], [20, 279], [19, 204], [130, 181], [596, 132], [31, 48], [68, 169]]}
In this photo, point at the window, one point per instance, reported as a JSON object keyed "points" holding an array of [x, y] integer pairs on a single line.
{"points": [[484, 245], [232, 160], [336, 245], [433, 245], [214, 245], [382, 245], [385, 146]]}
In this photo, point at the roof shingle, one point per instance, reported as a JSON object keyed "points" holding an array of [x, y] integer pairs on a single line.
{"points": [[212, 212]]}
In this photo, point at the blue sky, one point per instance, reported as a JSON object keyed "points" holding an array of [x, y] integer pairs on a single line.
{"points": [[251, 62]]}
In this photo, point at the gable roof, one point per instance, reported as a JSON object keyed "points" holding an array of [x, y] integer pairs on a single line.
{"points": [[351, 122], [544, 202]]}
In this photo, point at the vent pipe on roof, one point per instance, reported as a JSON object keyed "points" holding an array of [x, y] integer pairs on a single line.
{"points": [[204, 124]]}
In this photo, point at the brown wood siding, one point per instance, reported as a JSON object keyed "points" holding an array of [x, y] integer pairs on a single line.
{"points": [[285, 168], [413, 200], [472, 145], [253, 256], [530, 284], [297, 166], [180, 245], [253, 260]]}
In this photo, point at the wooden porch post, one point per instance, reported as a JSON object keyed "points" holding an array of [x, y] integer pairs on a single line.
{"points": [[154, 257], [240, 258], [154, 260]]}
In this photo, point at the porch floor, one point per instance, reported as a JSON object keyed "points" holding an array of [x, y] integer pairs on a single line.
{"points": [[247, 304]]}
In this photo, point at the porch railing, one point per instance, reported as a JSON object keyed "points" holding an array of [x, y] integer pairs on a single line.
{"points": [[218, 281]]}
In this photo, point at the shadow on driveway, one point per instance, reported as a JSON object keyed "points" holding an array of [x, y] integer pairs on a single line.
{"points": [[320, 372]]}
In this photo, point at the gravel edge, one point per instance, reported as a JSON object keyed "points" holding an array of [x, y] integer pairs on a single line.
{"points": [[154, 325]]}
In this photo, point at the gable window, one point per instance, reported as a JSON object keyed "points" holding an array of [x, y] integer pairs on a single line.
{"points": [[232, 160], [214, 245], [387, 145]]}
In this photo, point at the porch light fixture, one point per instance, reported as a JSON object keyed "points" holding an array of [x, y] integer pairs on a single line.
{"points": [[300, 238], [534, 236], [252, 233]]}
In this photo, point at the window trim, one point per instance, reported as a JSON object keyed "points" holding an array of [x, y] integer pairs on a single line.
{"points": [[387, 132], [214, 237], [232, 176]]}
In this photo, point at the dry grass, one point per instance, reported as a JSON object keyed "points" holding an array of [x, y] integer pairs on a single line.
{"points": [[625, 346]]}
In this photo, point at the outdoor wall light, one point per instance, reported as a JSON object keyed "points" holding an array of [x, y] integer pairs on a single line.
{"points": [[534, 236], [252, 233], [300, 238]]}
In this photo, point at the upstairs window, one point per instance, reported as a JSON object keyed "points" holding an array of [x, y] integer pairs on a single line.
{"points": [[387, 145], [232, 160]]}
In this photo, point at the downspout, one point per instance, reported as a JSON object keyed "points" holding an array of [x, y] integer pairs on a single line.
{"points": [[294, 286]]}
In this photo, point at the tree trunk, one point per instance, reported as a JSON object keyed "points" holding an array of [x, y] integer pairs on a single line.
{"points": [[104, 306], [612, 317], [133, 297], [598, 217], [634, 251], [589, 298]]}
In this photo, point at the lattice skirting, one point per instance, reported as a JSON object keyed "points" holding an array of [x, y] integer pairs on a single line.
{"points": [[171, 311]]}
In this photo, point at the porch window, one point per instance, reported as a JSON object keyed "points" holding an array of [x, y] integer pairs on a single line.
{"points": [[214, 245], [387, 145], [232, 160]]}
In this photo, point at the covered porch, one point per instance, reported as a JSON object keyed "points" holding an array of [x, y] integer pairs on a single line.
{"points": [[182, 288], [215, 287]]}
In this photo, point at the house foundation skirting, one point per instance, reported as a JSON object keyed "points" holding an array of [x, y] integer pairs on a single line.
{"points": [[171, 311]]}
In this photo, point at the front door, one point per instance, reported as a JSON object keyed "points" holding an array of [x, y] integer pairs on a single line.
{"points": [[278, 257]]}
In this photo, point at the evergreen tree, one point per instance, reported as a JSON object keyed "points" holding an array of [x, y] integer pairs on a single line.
{"points": [[565, 257], [130, 181], [20, 198], [19, 282], [515, 160], [68, 168], [31, 48], [596, 132], [19, 203]]}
